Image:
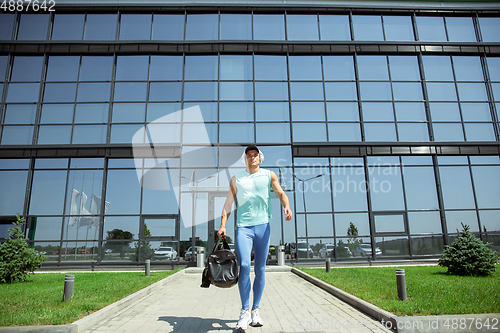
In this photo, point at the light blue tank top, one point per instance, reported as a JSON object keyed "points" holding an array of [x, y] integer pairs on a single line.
{"points": [[253, 196]]}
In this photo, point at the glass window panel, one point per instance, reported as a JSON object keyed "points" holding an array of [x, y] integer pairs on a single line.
{"points": [[342, 111], [484, 160], [472, 92], [14, 163], [87, 163], [236, 26], [123, 192], [496, 92], [454, 220], [91, 113], [236, 111], [343, 221], [236, 91], [424, 222], [407, 91], [278, 156], [13, 191], [159, 110], [20, 114], [168, 27], [89, 134], [50, 135], [376, 91], [96, 68], [127, 91], [431, 28], [33, 27], [475, 111], [448, 132], [487, 186], [479, 132], [413, 132], [441, 91], [68, 27], [17, 135], [410, 111], [367, 27], [302, 27], [202, 27], [383, 160], [268, 27], [460, 29], [306, 91], [386, 189], [270, 67], [235, 67], [100, 27], [166, 68], [398, 28], [338, 68], [273, 133], [349, 189], [6, 24], [380, 132], [456, 187], [129, 112], [468, 68], [341, 91], [316, 191], [234, 133], [334, 27], [272, 111], [344, 132], [372, 68], [57, 113], [437, 68], [309, 132], [200, 91], [47, 192], [305, 68], [135, 27], [201, 68], [63, 68], [94, 92], [165, 91], [23, 92], [27, 69], [489, 220], [489, 28], [268, 91], [123, 133], [493, 68], [165, 133], [416, 160], [308, 111], [420, 188], [377, 112], [132, 68], [3, 68], [389, 223], [160, 202], [453, 160], [319, 225], [59, 92], [404, 68], [444, 111], [197, 133], [49, 228], [209, 111]]}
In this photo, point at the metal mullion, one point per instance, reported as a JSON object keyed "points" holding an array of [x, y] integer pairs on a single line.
{"points": [[41, 92], [393, 103], [476, 208], [358, 91], [458, 96], [489, 94], [371, 218]]}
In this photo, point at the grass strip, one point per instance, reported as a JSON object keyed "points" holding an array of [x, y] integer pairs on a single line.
{"points": [[38, 301], [430, 290]]}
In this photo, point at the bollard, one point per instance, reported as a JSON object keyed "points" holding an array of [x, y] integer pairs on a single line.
{"points": [[69, 282], [401, 284], [200, 256], [148, 267], [280, 251], [328, 263]]}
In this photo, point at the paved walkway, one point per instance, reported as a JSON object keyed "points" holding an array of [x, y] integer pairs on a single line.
{"points": [[289, 304]]}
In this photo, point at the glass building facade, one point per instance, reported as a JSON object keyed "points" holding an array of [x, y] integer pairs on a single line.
{"points": [[121, 125]]}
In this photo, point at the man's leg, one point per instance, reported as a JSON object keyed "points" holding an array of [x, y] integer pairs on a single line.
{"points": [[244, 240], [261, 249]]}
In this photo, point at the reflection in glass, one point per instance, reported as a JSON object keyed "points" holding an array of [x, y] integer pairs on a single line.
{"points": [[441, 92], [309, 132], [377, 111], [165, 91], [386, 190], [437, 68], [47, 192], [268, 27], [404, 68], [20, 114], [413, 132], [407, 91], [200, 91], [460, 29], [308, 111], [338, 68], [272, 111], [389, 223], [17, 135], [201, 68], [273, 133], [236, 91], [130, 91], [479, 132], [89, 134], [456, 187], [236, 67], [398, 28], [100, 27], [424, 222], [302, 27], [349, 189], [410, 111], [129, 112], [489, 28], [202, 27], [270, 67], [242, 111], [392, 246], [135, 27], [166, 68], [33, 27], [54, 135], [367, 27], [375, 91], [63, 68], [96, 68], [6, 24], [123, 192], [360, 221], [13, 191], [319, 225], [234, 133], [236, 26], [427, 245], [26, 69], [431, 28], [132, 68], [305, 68], [344, 132], [454, 220], [420, 188], [306, 91], [487, 186], [468, 68], [372, 68], [476, 111], [94, 92], [341, 91], [91, 113], [269, 91], [68, 27], [445, 112], [59, 92], [168, 27], [474, 92], [334, 27]]}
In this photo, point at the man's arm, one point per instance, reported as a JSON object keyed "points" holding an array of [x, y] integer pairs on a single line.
{"points": [[226, 210], [275, 184]]}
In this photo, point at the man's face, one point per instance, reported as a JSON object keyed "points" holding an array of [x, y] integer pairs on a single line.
{"points": [[253, 157]]}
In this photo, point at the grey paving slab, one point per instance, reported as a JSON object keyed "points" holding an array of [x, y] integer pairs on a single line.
{"points": [[289, 304]]}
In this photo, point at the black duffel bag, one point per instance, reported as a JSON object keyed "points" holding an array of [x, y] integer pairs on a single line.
{"points": [[222, 267]]}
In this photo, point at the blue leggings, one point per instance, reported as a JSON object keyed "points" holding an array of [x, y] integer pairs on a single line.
{"points": [[258, 236]]}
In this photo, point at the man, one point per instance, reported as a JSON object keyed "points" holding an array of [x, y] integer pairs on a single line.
{"points": [[252, 190]]}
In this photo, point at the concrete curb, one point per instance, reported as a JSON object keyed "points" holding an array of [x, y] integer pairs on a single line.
{"points": [[95, 317]]}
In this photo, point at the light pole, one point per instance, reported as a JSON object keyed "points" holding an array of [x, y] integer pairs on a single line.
{"points": [[305, 211]]}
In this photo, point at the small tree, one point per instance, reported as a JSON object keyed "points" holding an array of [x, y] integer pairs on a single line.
{"points": [[468, 255], [17, 260], [353, 241]]}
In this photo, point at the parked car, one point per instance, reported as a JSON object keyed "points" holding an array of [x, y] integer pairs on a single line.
{"points": [[327, 251], [165, 253], [189, 255], [304, 251], [365, 250]]}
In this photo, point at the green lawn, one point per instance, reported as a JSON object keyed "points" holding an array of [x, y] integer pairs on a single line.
{"points": [[39, 300], [430, 291]]}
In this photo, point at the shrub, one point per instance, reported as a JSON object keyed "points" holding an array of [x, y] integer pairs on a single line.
{"points": [[468, 255], [17, 260]]}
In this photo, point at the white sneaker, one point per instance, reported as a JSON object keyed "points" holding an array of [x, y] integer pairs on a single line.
{"points": [[244, 320], [256, 319]]}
